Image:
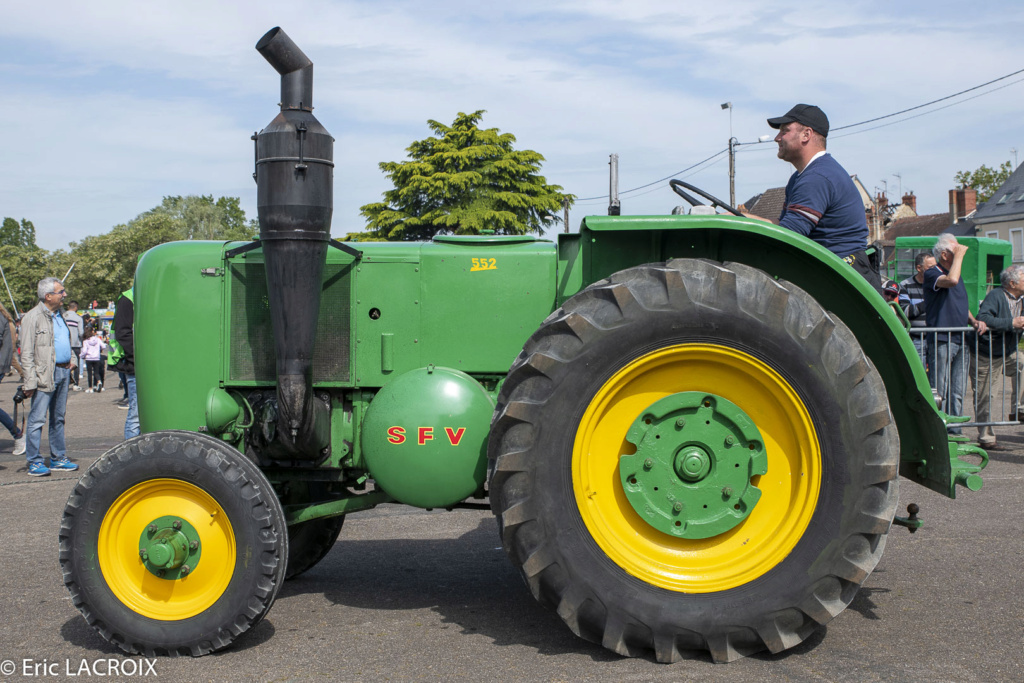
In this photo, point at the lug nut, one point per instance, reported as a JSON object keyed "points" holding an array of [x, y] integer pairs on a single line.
{"points": [[185, 569], [680, 423], [648, 463], [194, 545], [678, 507], [176, 524], [729, 441], [726, 492], [160, 573], [143, 554], [151, 528]]}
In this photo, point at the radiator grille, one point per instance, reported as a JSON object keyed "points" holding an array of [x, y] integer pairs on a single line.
{"points": [[251, 336]]}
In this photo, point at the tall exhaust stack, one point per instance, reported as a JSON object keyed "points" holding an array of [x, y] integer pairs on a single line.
{"points": [[295, 180]]}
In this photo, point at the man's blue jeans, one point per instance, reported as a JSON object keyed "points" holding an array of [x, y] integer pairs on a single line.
{"points": [[131, 423], [950, 372], [8, 421], [55, 402], [921, 345]]}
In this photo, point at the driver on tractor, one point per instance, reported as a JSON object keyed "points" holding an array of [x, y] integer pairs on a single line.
{"points": [[821, 200]]}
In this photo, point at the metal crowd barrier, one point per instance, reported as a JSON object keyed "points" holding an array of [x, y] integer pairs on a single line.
{"points": [[954, 364]]}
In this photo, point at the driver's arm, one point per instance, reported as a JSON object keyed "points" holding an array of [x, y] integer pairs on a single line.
{"points": [[755, 216], [808, 200]]}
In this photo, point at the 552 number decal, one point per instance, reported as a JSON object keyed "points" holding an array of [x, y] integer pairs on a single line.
{"points": [[484, 264]]}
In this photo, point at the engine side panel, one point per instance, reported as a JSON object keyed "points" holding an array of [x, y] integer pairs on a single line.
{"points": [[179, 308]]}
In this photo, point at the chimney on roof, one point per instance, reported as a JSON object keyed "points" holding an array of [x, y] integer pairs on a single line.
{"points": [[910, 200], [962, 202]]}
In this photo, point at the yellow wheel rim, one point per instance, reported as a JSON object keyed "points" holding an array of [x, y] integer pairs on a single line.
{"points": [[789, 489], [127, 576]]}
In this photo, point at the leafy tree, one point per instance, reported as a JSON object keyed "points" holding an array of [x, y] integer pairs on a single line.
{"points": [[105, 264], [199, 217], [23, 268], [18, 234], [984, 179], [28, 233], [464, 180]]}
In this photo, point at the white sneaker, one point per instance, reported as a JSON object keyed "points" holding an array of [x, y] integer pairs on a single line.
{"points": [[75, 387], [88, 391], [19, 446], [99, 387]]}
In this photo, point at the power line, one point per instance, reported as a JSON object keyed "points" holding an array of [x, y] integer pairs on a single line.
{"points": [[851, 125], [931, 111], [926, 104], [680, 175], [654, 182]]}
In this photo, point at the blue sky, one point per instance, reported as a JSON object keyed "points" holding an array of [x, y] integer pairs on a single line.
{"points": [[109, 106]]}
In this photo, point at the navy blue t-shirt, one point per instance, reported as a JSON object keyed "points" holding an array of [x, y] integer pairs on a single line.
{"points": [[823, 203], [944, 306]]}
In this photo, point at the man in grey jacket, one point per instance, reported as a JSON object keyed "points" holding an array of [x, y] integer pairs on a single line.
{"points": [[997, 351], [46, 359]]}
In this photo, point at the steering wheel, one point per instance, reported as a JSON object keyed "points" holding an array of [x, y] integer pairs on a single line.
{"points": [[678, 185]]}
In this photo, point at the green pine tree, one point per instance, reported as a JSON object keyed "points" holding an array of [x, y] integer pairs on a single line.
{"points": [[465, 180]]}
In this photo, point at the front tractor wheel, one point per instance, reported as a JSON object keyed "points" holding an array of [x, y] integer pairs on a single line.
{"points": [[173, 543], [694, 456]]}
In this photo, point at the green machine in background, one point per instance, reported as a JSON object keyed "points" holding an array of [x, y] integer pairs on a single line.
{"points": [[984, 261], [689, 427]]}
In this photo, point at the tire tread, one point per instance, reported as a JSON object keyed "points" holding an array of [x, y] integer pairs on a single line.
{"points": [[686, 284], [243, 476]]}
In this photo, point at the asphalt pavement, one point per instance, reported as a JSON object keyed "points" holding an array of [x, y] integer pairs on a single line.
{"points": [[411, 595]]}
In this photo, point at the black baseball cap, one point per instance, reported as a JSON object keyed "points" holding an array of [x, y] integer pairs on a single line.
{"points": [[807, 114]]}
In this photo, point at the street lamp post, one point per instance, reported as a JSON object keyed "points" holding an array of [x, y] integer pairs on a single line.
{"points": [[732, 157]]}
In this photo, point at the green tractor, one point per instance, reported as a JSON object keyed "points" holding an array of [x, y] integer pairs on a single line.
{"points": [[985, 259], [690, 427]]}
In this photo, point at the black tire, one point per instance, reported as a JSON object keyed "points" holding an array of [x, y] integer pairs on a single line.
{"points": [[224, 479], [623, 320], [309, 542]]}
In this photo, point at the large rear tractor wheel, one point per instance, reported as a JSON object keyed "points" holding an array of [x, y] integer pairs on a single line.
{"points": [[173, 543], [694, 456]]}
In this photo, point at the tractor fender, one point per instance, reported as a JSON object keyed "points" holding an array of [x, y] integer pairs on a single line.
{"points": [[609, 244]]}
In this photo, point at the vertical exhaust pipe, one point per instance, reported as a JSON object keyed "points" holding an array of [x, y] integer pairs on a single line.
{"points": [[295, 181]]}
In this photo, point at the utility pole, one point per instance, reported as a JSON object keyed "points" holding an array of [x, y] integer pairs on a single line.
{"points": [[1013, 151], [733, 144], [732, 171], [614, 208], [565, 209]]}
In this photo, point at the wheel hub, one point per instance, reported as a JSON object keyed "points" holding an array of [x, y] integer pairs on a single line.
{"points": [[691, 473], [692, 464], [169, 548]]}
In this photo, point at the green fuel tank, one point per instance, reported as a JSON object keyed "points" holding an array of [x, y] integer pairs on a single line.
{"points": [[424, 437]]}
